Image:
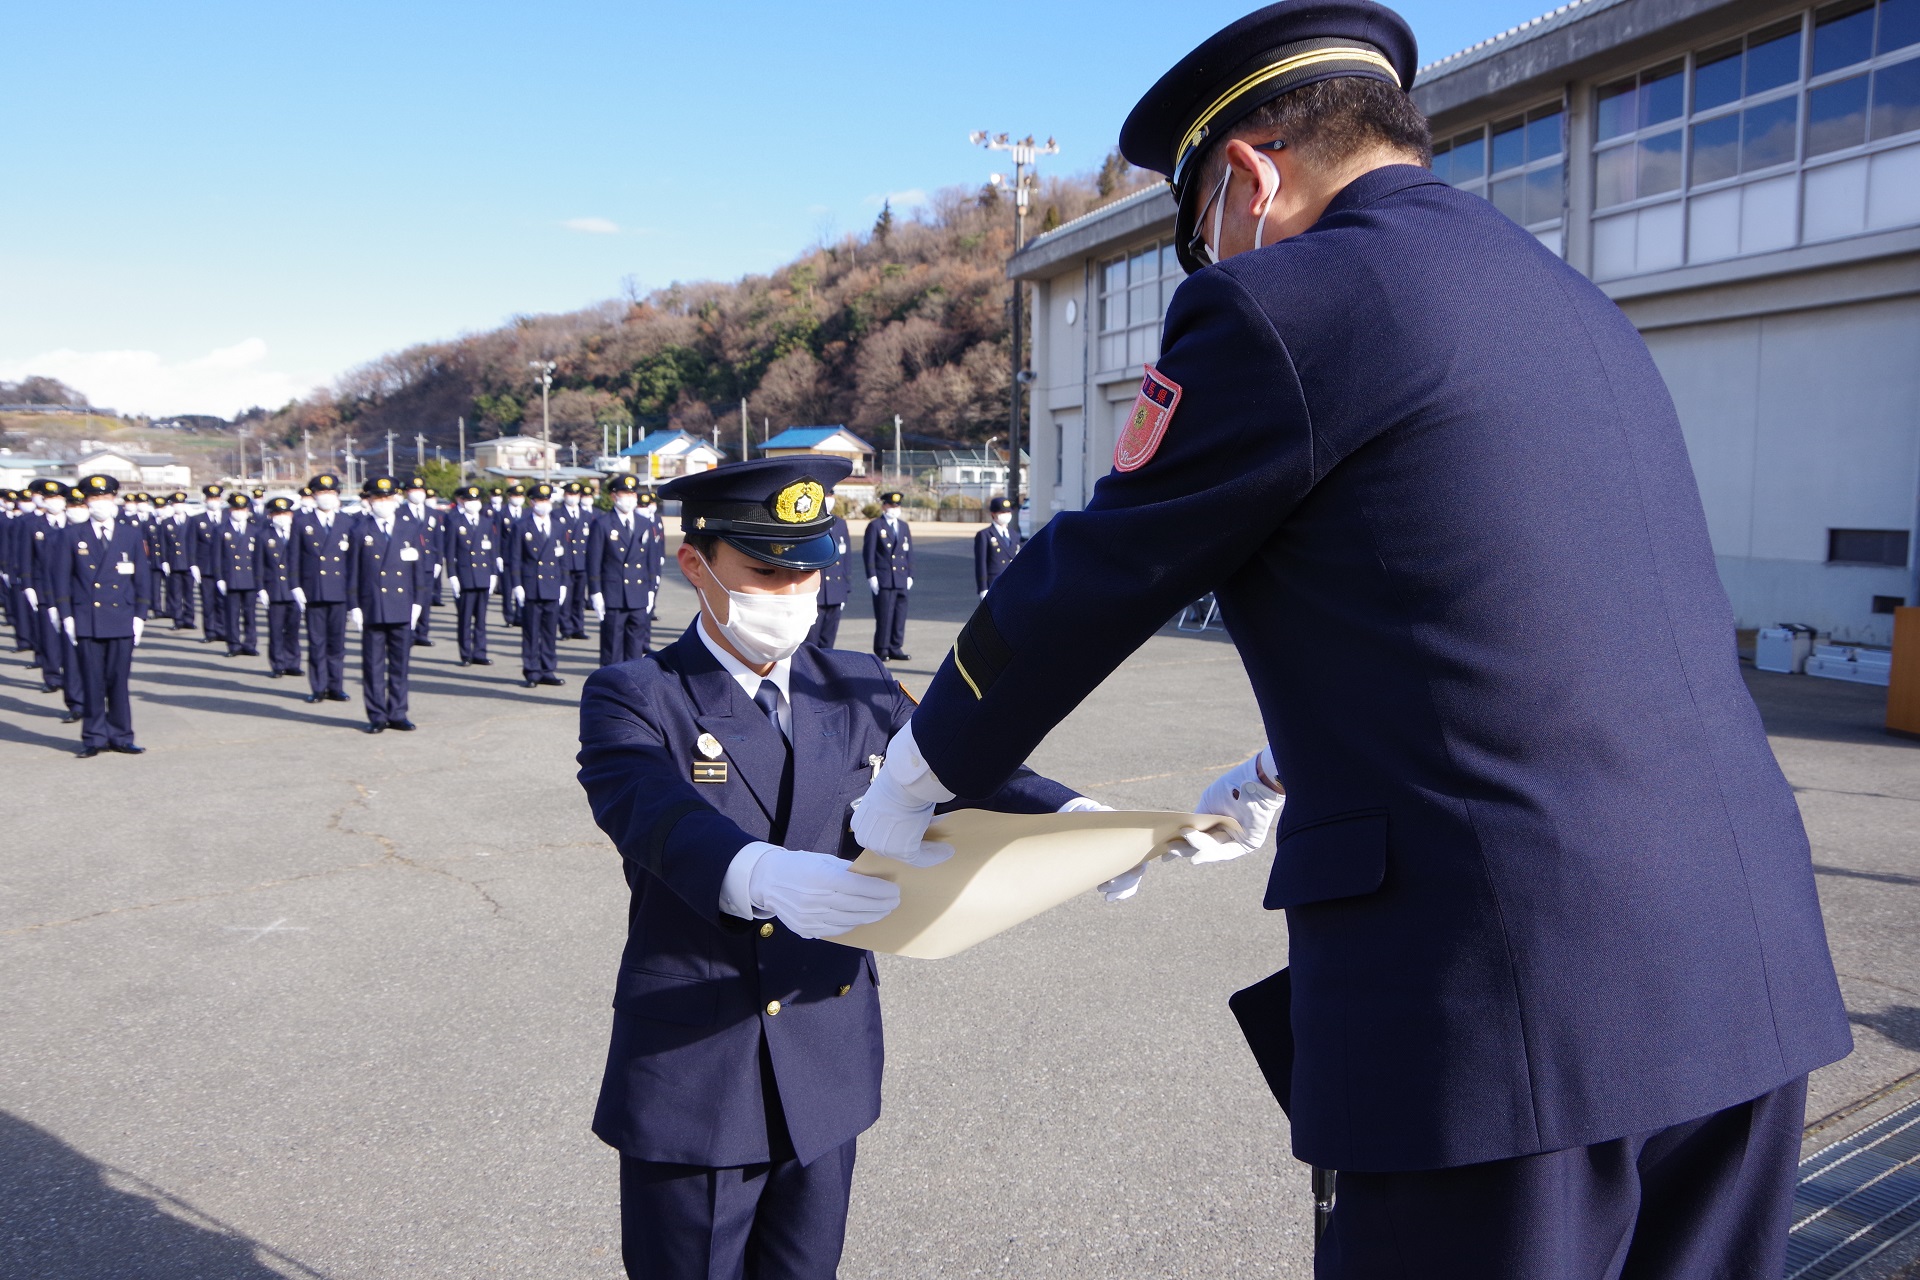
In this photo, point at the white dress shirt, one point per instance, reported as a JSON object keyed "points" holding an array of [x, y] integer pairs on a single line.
{"points": [[735, 896]]}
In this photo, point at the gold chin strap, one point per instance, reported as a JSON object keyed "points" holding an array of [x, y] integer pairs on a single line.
{"points": [[1298, 62]]}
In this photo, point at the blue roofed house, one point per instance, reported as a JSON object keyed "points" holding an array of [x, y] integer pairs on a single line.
{"points": [[665, 454], [832, 442]]}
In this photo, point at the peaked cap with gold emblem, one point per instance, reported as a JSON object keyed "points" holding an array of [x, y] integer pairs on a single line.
{"points": [[777, 510]]}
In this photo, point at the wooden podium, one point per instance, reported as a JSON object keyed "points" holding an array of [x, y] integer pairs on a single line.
{"points": [[1903, 696]]}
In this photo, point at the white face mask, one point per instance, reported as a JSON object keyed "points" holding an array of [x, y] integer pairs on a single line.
{"points": [[516, 503], [101, 509], [417, 497], [762, 627], [543, 509], [471, 508], [1002, 518], [626, 504], [284, 523], [53, 506], [384, 508], [327, 502], [76, 515]]}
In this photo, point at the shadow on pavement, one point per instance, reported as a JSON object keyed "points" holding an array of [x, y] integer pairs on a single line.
{"points": [[1899, 1023], [1823, 710], [1879, 877], [64, 1216]]}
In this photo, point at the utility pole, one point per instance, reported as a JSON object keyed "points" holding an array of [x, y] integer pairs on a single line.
{"points": [[896, 448], [306, 447], [346, 458], [576, 455], [462, 459], [389, 453], [746, 451], [545, 379], [419, 449], [1025, 155]]}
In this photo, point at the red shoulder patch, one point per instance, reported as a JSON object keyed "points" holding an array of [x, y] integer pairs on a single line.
{"points": [[1147, 424]]}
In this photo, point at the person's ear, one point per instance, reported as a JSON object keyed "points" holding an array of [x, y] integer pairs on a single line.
{"points": [[1261, 171]]}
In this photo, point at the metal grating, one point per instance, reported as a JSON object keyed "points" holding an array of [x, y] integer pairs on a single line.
{"points": [[1856, 1197]]}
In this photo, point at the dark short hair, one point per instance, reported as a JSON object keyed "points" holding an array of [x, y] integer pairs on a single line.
{"points": [[1328, 121], [704, 543]]}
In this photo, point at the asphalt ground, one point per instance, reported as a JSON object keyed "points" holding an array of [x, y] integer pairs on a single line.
{"points": [[283, 999]]}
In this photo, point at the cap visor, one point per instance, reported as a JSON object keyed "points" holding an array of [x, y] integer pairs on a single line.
{"points": [[811, 553]]}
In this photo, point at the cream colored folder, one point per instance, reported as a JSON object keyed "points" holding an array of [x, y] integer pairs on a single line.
{"points": [[1007, 868]]}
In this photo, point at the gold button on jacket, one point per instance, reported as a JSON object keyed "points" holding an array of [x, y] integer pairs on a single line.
{"points": [[773, 1007], [766, 930]]}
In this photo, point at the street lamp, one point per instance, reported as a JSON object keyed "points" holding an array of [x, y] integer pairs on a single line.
{"points": [[546, 368], [1025, 154]]}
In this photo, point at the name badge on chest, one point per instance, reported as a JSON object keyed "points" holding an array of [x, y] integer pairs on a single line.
{"points": [[409, 553], [124, 568], [710, 767]]}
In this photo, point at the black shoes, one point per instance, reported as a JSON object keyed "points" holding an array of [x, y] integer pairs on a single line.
{"points": [[420, 644], [313, 697], [334, 695], [483, 662], [69, 718], [86, 753], [376, 728], [275, 675], [552, 680], [404, 726], [128, 750], [466, 662]]}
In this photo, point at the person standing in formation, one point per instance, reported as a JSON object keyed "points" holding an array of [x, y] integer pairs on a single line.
{"points": [[538, 566], [835, 580], [234, 550], [888, 554], [621, 575], [275, 570], [433, 546], [577, 516], [387, 587], [512, 514], [994, 546], [176, 557], [101, 583], [323, 542], [203, 539], [472, 564]]}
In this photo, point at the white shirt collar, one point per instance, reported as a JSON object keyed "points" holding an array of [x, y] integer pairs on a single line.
{"points": [[746, 678]]}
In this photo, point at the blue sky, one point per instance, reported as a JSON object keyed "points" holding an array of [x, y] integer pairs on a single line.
{"points": [[221, 204]]}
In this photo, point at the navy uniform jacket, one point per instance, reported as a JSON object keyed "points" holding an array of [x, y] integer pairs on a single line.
{"points": [[833, 578], [234, 552], [433, 531], [321, 556], [1545, 884], [993, 549], [620, 564], [580, 522], [44, 557], [203, 535], [539, 563], [683, 1080], [889, 554], [472, 550], [172, 544], [275, 570], [102, 588], [383, 582]]}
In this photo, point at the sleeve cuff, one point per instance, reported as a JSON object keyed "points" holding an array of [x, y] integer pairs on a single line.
{"points": [[736, 897], [910, 770], [1084, 804]]}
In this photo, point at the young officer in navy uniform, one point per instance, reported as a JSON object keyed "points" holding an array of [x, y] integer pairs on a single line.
{"points": [[235, 547], [387, 588], [746, 1052], [1558, 968], [620, 574], [43, 544], [323, 543], [538, 565], [274, 568], [834, 582], [101, 588], [993, 546], [578, 515], [650, 508], [510, 517], [176, 559], [472, 541], [203, 538], [432, 545], [889, 562]]}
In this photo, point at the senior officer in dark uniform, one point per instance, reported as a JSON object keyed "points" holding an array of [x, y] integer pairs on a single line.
{"points": [[1558, 969], [387, 589], [994, 546], [473, 567], [203, 538], [323, 541], [621, 576], [835, 581], [432, 524], [746, 1052], [888, 556], [537, 564], [577, 513], [101, 588], [235, 549], [176, 559], [276, 569]]}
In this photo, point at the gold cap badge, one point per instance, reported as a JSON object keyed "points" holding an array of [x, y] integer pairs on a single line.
{"points": [[799, 502]]}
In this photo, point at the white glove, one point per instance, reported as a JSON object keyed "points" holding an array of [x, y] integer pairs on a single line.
{"points": [[413, 620], [1241, 795], [1127, 883], [220, 585], [650, 596], [300, 596], [439, 571], [599, 606], [519, 595], [909, 584], [355, 619], [816, 894], [67, 626], [499, 563], [563, 598], [493, 580], [165, 567], [265, 598], [873, 585], [891, 819], [983, 595], [33, 598], [196, 575], [139, 629]]}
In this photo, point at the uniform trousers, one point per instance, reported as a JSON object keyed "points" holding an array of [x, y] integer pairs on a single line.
{"points": [[73, 680], [106, 666], [243, 621], [283, 637], [1709, 1198], [53, 650], [539, 638], [423, 629], [386, 652], [212, 610], [26, 632], [624, 635], [510, 611], [778, 1221], [180, 598], [889, 621], [573, 614], [326, 648], [472, 624], [826, 627]]}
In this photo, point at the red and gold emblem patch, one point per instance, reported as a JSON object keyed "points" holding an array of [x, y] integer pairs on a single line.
{"points": [[1147, 424]]}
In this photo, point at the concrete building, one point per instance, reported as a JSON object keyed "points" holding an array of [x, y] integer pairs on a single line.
{"points": [[140, 470], [518, 455], [1742, 177]]}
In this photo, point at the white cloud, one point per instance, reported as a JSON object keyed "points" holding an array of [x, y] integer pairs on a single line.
{"points": [[908, 199], [223, 382], [593, 226]]}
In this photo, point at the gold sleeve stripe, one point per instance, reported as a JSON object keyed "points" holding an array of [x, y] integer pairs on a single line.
{"points": [[961, 667]]}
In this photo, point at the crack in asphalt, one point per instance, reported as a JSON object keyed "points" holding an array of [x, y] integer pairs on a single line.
{"points": [[390, 850]]}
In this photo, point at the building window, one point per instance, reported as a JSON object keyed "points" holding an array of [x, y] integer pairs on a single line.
{"points": [[1134, 292], [1518, 163], [1799, 131], [1886, 548]]}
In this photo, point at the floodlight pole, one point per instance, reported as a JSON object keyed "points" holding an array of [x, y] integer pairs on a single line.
{"points": [[546, 368], [1026, 154]]}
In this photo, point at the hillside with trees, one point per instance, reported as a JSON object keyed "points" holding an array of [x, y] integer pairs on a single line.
{"points": [[910, 318]]}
